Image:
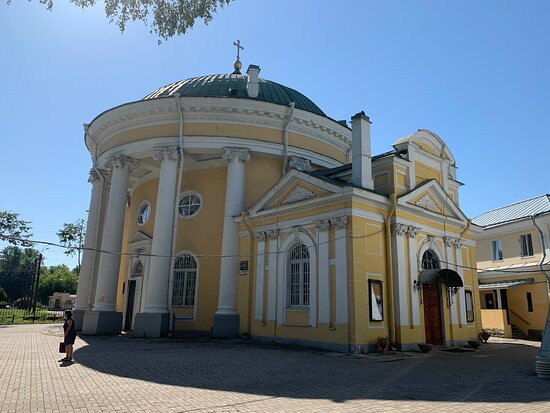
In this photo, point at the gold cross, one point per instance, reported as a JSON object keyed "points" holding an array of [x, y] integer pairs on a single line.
{"points": [[239, 48]]}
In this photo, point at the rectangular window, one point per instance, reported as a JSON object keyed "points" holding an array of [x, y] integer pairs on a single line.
{"points": [[529, 302], [526, 245], [376, 304], [497, 250], [469, 306]]}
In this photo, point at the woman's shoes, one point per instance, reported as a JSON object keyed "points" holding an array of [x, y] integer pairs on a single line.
{"points": [[65, 359]]}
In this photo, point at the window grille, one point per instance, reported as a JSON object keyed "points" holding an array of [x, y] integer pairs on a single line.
{"points": [[189, 205], [430, 261], [185, 280], [299, 277], [143, 213]]}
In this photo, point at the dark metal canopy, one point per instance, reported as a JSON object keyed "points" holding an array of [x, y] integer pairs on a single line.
{"points": [[442, 276]]}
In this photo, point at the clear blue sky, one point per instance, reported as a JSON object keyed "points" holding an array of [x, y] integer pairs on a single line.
{"points": [[476, 73]]}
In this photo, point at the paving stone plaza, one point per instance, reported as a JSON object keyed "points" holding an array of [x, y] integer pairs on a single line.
{"points": [[194, 375]]}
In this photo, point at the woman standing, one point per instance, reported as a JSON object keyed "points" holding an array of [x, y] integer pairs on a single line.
{"points": [[69, 328]]}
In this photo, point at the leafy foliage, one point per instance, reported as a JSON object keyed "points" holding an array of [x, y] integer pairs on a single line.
{"points": [[17, 267], [72, 236], [165, 17], [58, 278], [14, 230], [3, 295]]}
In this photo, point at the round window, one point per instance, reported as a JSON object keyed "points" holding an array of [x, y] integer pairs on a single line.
{"points": [[189, 205], [144, 211]]}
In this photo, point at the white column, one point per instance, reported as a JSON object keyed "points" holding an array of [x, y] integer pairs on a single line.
{"points": [[156, 299], [460, 270], [109, 262], [260, 276], [399, 274], [324, 279], [412, 232], [273, 236], [341, 256], [234, 199], [90, 244], [449, 244]]}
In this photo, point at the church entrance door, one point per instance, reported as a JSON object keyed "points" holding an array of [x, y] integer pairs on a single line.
{"points": [[432, 313], [130, 304]]}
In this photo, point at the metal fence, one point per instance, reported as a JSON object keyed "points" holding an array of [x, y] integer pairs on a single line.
{"points": [[25, 312]]}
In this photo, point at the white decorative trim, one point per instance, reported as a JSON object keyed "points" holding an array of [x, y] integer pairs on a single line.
{"points": [[166, 153], [298, 194], [145, 202], [122, 161], [427, 202], [260, 276], [299, 163], [236, 154]]}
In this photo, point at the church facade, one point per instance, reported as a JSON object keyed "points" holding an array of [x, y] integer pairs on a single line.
{"points": [[230, 205]]}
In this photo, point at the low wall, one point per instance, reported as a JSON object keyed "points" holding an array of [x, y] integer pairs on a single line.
{"points": [[496, 320]]}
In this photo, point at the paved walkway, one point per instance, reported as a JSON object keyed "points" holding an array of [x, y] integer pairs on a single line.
{"points": [[170, 375]]}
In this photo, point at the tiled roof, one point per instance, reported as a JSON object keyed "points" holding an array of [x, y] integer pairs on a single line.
{"points": [[514, 212], [234, 86]]}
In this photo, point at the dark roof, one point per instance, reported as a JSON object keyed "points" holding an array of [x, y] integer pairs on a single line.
{"points": [[514, 212], [234, 86]]}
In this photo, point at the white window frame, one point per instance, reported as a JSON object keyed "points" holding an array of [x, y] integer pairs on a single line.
{"points": [[187, 272], [190, 193], [496, 250], [526, 245], [139, 213], [304, 271], [468, 293]]}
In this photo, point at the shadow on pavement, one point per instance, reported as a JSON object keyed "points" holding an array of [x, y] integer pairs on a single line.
{"points": [[497, 372]]}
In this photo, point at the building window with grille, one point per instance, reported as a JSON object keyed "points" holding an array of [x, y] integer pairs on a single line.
{"points": [[526, 245], [189, 205], [496, 247], [298, 281], [144, 211], [430, 261], [185, 281], [469, 298]]}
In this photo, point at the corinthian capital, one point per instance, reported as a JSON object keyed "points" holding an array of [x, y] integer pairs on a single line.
{"points": [[412, 232], [95, 175], [339, 222], [236, 154], [272, 234], [299, 163], [399, 229], [260, 236], [166, 153], [122, 161], [322, 225]]}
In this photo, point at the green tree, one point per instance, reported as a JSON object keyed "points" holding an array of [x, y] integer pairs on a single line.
{"points": [[72, 236], [17, 267], [3, 295], [57, 278], [14, 230], [165, 17]]}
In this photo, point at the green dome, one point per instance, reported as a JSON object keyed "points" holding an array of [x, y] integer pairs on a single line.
{"points": [[234, 86]]}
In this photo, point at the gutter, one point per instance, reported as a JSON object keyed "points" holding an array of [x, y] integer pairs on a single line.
{"points": [[389, 270]]}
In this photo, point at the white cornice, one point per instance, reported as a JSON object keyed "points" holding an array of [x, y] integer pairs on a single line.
{"points": [[217, 110]]}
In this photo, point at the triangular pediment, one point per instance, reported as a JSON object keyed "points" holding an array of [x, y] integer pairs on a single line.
{"points": [[139, 237], [432, 198], [295, 188]]}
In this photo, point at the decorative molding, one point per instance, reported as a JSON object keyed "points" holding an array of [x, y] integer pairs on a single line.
{"points": [[322, 225], [166, 153], [453, 242], [236, 154], [260, 236], [299, 163], [299, 193], [272, 234], [399, 229], [427, 202], [98, 175], [122, 161], [412, 232], [339, 222]]}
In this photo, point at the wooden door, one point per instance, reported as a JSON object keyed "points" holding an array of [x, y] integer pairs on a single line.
{"points": [[432, 313], [130, 304]]}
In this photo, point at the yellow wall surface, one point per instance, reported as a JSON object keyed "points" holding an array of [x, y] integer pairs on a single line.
{"points": [[510, 249], [425, 173]]}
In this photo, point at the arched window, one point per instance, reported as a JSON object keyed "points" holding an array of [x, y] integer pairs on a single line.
{"points": [[430, 261], [298, 276], [138, 269], [185, 280]]}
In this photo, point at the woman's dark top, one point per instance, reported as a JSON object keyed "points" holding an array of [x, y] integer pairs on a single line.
{"points": [[71, 334]]}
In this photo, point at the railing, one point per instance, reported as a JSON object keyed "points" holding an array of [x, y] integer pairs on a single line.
{"points": [[518, 316], [22, 312]]}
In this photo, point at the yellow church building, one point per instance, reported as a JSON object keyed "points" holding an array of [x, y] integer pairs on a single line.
{"points": [[233, 205]]}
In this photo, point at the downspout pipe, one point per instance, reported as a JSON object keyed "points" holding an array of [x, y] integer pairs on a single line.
{"points": [[251, 265], [175, 221], [389, 270], [285, 135], [542, 364]]}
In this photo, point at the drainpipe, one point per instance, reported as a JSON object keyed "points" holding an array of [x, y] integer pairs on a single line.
{"points": [[250, 267], [175, 221], [389, 270], [542, 364], [285, 135]]}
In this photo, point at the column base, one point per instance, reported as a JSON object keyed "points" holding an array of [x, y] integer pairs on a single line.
{"points": [[226, 325], [151, 325], [97, 323], [78, 317]]}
